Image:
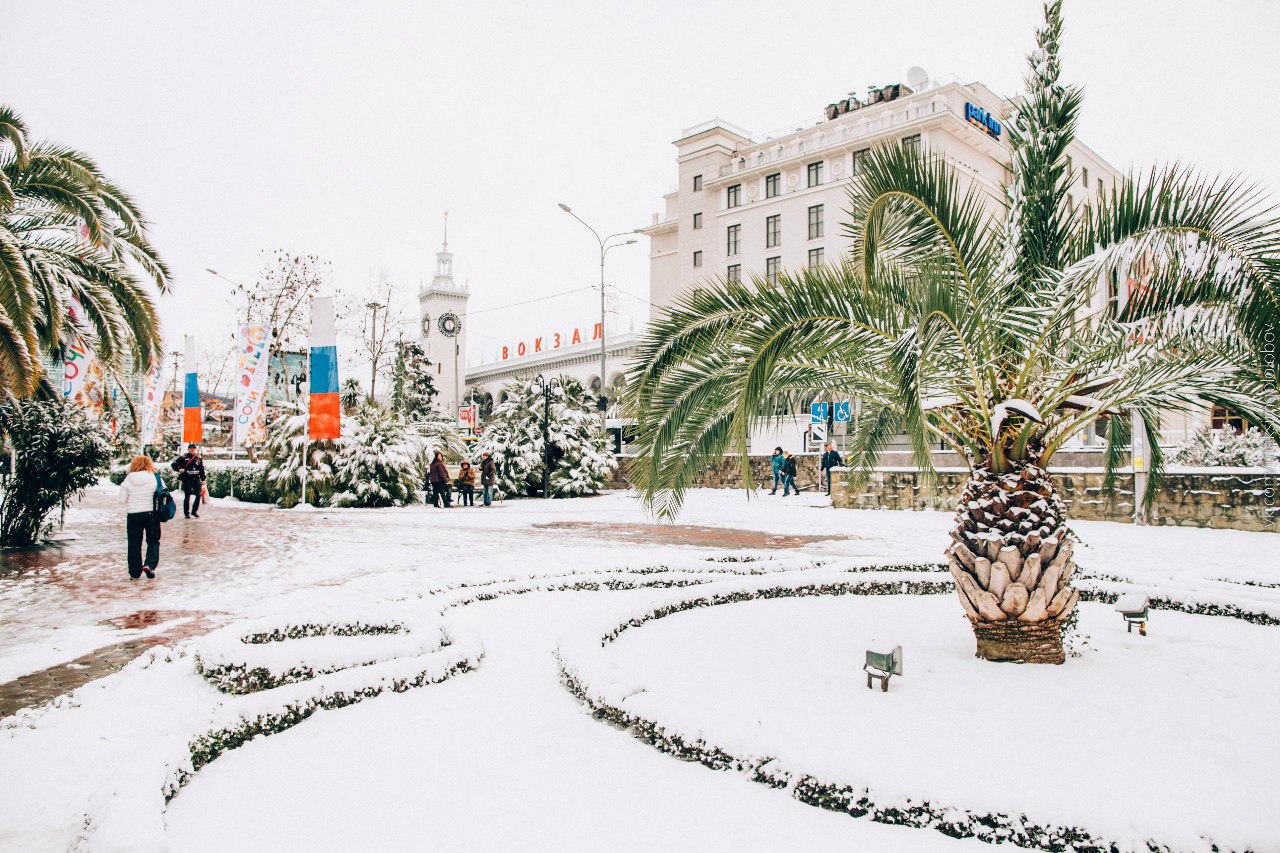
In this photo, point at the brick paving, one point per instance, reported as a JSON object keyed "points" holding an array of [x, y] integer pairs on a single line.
{"points": [[689, 534]]}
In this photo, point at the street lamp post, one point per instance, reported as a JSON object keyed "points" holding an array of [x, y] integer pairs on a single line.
{"points": [[546, 388], [604, 249]]}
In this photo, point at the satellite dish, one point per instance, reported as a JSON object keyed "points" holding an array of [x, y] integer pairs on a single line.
{"points": [[917, 77]]}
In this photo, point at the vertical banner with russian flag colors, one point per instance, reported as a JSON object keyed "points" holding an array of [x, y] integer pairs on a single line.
{"points": [[251, 383], [152, 401], [192, 424], [326, 413]]}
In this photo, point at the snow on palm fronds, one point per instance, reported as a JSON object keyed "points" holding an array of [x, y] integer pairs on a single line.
{"points": [[580, 459]]}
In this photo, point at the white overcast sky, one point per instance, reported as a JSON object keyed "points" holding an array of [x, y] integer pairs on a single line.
{"points": [[345, 128]]}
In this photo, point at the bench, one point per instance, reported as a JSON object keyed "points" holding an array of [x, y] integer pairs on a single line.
{"points": [[1134, 607], [883, 665]]}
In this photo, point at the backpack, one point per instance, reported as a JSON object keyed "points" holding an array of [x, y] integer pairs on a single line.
{"points": [[163, 507]]}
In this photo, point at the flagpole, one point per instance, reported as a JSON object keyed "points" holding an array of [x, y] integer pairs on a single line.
{"points": [[303, 502]]}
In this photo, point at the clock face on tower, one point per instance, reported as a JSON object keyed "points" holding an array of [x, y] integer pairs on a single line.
{"points": [[426, 325], [449, 324]]}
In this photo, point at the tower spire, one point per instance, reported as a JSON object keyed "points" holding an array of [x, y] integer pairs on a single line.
{"points": [[446, 232]]}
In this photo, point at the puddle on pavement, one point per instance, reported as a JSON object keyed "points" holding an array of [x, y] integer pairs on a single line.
{"points": [[691, 534]]}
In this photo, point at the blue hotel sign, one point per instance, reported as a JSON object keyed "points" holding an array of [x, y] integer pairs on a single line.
{"points": [[976, 115]]}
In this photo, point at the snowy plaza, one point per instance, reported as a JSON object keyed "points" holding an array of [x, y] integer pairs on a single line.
{"points": [[488, 712]]}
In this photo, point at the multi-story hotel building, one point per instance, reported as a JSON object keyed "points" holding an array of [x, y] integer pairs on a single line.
{"points": [[750, 205], [755, 205]]}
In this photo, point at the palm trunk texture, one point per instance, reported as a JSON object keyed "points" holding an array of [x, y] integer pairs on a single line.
{"points": [[1012, 562]]}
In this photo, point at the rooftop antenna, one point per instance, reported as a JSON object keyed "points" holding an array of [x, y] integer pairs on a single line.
{"points": [[917, 77]]}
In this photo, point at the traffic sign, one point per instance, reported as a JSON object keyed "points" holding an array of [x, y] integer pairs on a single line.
{"points": [[818, 413], [842, 411], [818, 432]]}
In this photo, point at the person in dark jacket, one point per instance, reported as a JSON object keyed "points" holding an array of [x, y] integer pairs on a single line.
{"points": [[789, 475], [439, 479], [190, 468], [467, 483], [488, 477], [777, 461], [830, 459]]}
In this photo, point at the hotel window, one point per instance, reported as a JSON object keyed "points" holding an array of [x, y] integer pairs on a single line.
{"points": [[1224, 418], [697, 183], [772, 266], [734, 272], [697, 259], [697, 221], [773, 231], [1100, 190], [1084, 178], [860, 160], [772, 185], [733, 241], [815, 257], [815, 174], [815, 222], [733, 196], [912, 144]]}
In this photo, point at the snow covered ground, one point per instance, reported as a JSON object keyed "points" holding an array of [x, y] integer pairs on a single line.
{"points": [[1162, 737]]}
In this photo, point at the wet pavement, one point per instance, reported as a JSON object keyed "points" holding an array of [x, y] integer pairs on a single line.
{"points": [[688, 534], [71, 613]]}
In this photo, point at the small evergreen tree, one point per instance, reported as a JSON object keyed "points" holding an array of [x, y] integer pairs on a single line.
{"points": [[378, 461], [350, 395], [60, 453], [286, 436], [412, 390], [580, 459]]}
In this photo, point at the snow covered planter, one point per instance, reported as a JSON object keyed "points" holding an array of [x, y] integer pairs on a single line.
{"points": [[283, 672], [679, 706]]}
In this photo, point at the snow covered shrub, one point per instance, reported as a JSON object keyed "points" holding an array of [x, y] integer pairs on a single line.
{"points": [[580, 459], [60, 453], [286, 436], [1226, 447], [378, 460], [250, 482]]}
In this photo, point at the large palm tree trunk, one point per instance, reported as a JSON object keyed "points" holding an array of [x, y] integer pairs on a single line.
{"points": [[1011, 560]]}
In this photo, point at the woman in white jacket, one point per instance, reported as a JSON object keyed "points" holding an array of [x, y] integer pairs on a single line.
{"points": [[137, 493]]}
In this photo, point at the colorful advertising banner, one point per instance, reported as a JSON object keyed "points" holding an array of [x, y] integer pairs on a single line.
{"points": [[152, 402], [254, 342], [192, 423], [82, 378], [326, 412]]}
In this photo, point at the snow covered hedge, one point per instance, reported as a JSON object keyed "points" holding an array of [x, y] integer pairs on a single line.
{"points": [[1228, 448], [581, 462]]}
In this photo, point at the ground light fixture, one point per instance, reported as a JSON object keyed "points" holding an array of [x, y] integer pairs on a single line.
{"points": [[1134, 606], [883, 665]]}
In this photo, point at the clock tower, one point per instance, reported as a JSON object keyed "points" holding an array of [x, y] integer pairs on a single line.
{"points": [[442, 313]]}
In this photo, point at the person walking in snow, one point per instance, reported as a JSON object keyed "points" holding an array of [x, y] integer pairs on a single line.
{"points": [[439, 480], [190, 468], [488, 477], [467, 483], [777, 461], [137, 493], [789, 475], [830, 459]]}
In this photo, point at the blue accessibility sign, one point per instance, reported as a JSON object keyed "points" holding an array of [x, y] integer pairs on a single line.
{"points": [[842, 411], [818, 413]]}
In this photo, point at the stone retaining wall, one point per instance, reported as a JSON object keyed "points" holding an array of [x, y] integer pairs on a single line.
{"points": [[1231, 499], [1242, 499]]}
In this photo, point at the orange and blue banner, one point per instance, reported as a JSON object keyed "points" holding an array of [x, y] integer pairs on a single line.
{"points": [[192, 423], [325, 420]]}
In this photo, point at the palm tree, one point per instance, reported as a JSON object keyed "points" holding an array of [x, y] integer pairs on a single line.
{"points": [[991, 334], [68, 233]]}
